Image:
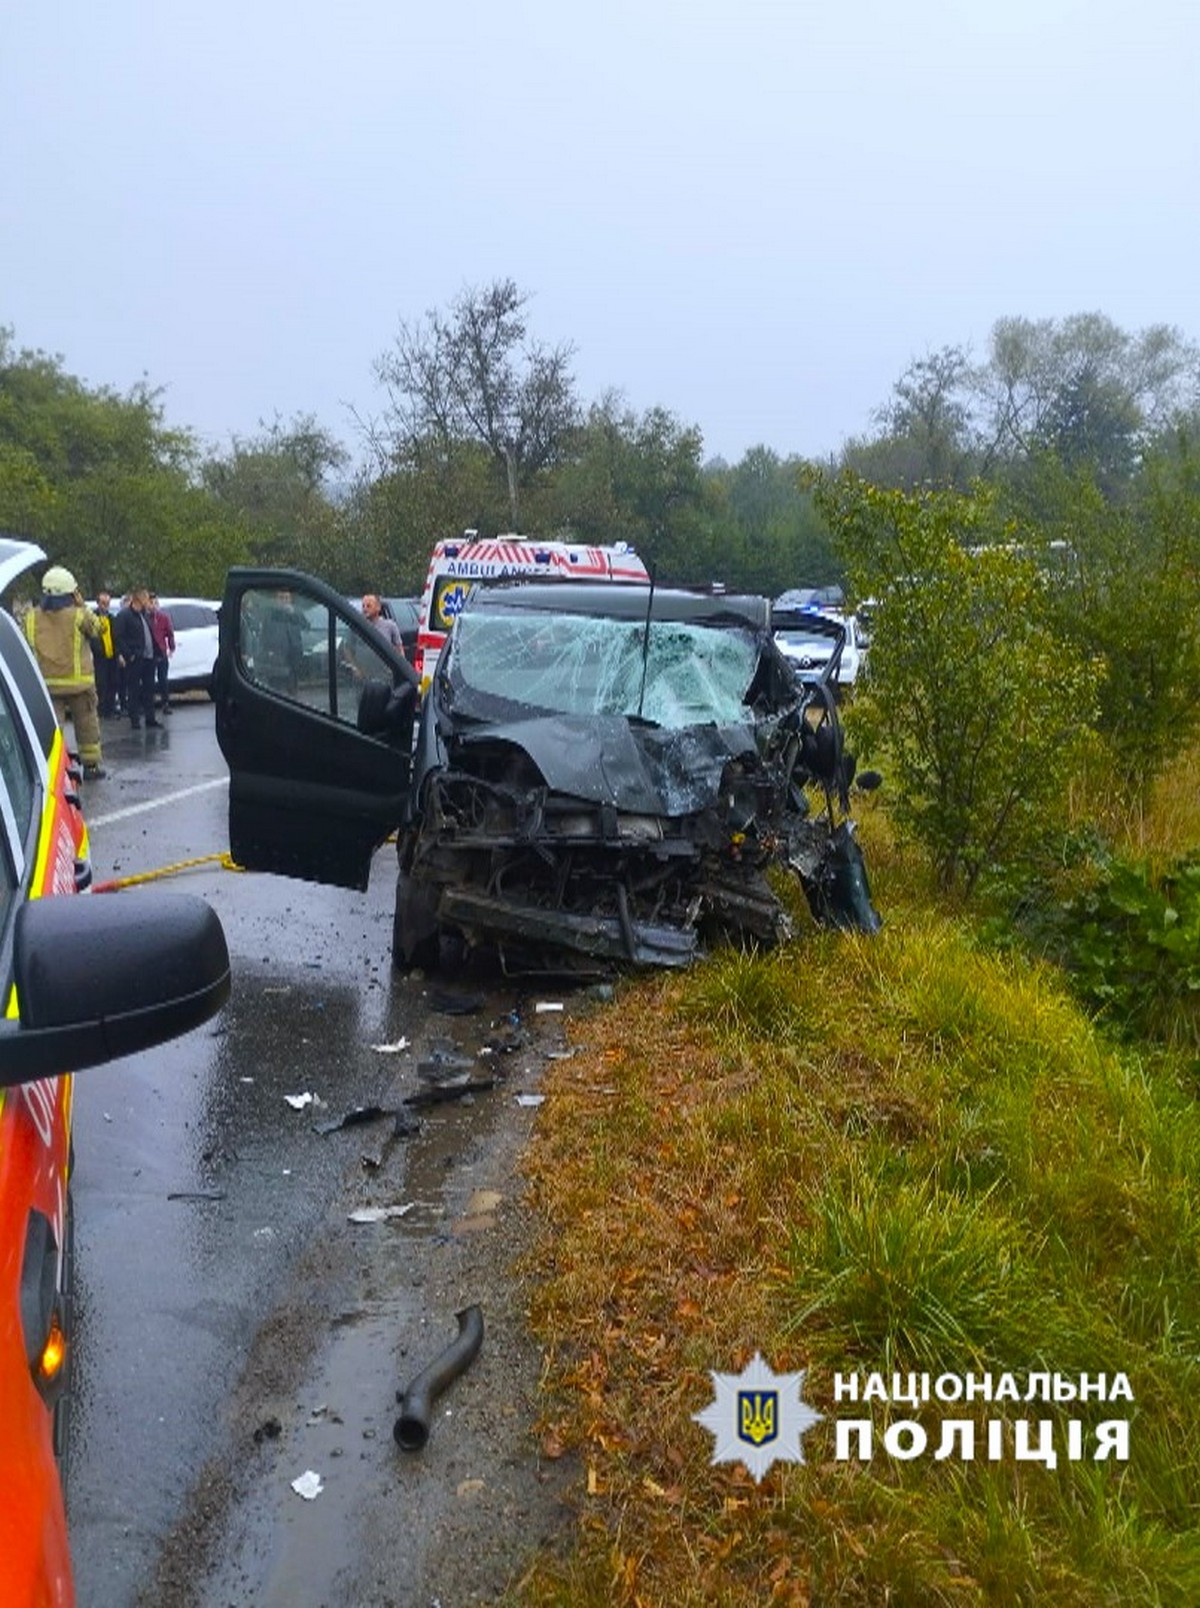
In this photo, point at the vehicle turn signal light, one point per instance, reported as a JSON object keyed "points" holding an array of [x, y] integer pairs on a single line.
{"points": [[54, 1353]]}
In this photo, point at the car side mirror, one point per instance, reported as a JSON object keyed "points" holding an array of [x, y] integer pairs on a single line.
{"points": [[101, 976], [387, 710]]}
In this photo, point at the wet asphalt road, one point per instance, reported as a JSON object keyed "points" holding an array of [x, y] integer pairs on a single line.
{"points": [[169, 1290]]}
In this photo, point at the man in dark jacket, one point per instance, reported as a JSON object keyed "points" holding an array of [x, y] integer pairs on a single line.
{"points": [[134, 646]]}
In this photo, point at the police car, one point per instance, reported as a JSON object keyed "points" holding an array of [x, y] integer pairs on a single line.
{"points": [[85, 980]]}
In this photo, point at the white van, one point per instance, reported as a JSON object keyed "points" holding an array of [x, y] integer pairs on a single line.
{"points": [[456, 566]]}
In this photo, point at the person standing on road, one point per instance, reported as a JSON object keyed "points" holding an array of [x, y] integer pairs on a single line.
{"points": [[56, 628], [104, 662], [134, 643], [163, 633], [279, 651], [372, 609], [384, 626]]}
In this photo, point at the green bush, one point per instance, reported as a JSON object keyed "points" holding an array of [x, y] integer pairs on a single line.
{"points": [[975, 706], [1132, 948]]}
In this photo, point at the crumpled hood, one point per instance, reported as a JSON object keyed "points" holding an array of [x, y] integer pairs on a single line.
{"points": [[643, 770]]}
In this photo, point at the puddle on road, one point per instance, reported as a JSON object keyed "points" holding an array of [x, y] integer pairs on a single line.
{"points": [[281, 1549], [293, 1551]]}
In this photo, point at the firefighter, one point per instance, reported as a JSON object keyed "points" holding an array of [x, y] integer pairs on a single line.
{"points": [[56, 628]]}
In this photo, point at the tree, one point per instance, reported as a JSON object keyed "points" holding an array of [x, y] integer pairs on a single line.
{"points": [[275, 486], [96, 477], [927, 423], [959, 705], [1126, 593], [1083, 390], [778, 537], [473, 376], [1078, 389], [638, 478]]}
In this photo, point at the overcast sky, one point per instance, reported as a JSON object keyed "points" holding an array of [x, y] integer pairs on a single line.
{"points": [[754, 214]]}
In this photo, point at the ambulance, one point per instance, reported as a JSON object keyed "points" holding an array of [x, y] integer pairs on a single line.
{"points": [[456, 566]]}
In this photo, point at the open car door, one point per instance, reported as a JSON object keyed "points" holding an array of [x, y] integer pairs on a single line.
{"points": [[315, 720]]}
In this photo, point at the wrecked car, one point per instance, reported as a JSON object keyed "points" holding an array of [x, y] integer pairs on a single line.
{"points": [[599, 774]]}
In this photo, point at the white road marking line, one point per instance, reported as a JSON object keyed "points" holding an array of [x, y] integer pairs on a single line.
{"points": [[94, 821]]}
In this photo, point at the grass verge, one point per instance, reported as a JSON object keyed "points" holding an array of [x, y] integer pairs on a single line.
{"points": [[892, 1154]]}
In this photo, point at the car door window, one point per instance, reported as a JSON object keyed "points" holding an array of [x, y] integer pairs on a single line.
{"points": [[18, 796], [300, 649], [16, 771]]}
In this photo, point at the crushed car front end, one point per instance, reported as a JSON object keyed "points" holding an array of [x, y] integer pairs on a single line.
{"points": [[607, 777]]}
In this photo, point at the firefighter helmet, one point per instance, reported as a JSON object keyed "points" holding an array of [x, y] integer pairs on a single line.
{"points": [[58, 582]]}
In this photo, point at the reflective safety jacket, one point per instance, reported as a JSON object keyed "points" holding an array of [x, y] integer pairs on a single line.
{"points": [[103, 646], [57, 639]]}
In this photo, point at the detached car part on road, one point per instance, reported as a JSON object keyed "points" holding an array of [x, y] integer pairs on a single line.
{"points": [[85, 980], [601, 773]]}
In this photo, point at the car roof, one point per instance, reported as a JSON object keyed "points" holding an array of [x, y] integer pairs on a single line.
{"points": [[622, 602], [808, 621], [15, 558]]}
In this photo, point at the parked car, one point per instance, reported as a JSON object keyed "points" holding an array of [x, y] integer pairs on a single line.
{"points": [[601, 774], [194, 620], [822, 641], [87, 980]]}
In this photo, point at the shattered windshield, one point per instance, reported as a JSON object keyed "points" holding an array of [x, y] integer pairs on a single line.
{"points": [[805, 642], [574, 664]]}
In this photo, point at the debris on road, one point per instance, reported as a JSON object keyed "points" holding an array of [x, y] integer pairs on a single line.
{"points": [[404, 1126], [380, 1214], [507, 1041], [196, 1194], [355, 1117], [436, 1093], [309, 1485], [416, 1403], [448, 1003], [391, 1049], [299, 1101], [530, 1099]]}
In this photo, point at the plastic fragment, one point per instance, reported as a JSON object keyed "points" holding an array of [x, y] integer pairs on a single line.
{"points": [[379, 1214], [351, 1119]]}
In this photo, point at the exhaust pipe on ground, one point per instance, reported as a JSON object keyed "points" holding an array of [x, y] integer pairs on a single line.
{"points": [[416, 1403]]}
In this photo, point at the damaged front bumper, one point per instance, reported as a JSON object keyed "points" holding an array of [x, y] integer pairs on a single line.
{"points": [[544, 875]]}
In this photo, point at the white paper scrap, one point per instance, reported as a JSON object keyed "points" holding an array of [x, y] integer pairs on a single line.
{"points": [[530, 1099], [299, 1101], [547, 1005], [391, 1049], [309, 1485], [379, 1214]]}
